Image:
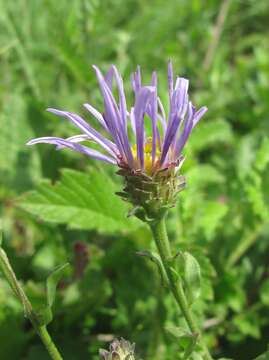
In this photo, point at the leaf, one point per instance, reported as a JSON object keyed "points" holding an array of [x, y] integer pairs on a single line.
{"points": [[262, 157], [264, 356], [192, 277], [202, 175], [44, 314], [154, 257], [212, 215], [80, 200], [52, 282], [245, 155], [211, 133], [254, 191], [18, 166], [187, 340], [1, 233], [264, 292]]}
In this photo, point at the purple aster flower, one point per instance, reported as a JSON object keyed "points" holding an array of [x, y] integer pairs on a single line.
{"points": [[125, 140]]}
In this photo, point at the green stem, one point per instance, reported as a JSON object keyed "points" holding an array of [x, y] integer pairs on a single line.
{"points": [[49, 344], [161, 239], [27, 307]]}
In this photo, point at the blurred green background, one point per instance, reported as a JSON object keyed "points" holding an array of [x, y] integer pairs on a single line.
{"points": [[46, 52]]}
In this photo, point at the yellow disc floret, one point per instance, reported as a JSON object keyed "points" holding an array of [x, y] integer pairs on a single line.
{"points": [[147, 156]]}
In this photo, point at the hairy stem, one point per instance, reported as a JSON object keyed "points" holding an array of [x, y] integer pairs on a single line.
{"points": [[163, 246], [41, 330]]}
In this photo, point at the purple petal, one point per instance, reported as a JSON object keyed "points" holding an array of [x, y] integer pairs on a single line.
{"points": [[136, 81], [88, 130], [132, 120], [109, 77], [154, 79], [198, 115], [169, 136], [117, 117], [162, 116], [139, 110], [154, 114], [170, 79], [76, 147], [188, 125], [112, 115], [122, 99], [75, 139], [173, 123], [180, 102], [96, 114]]}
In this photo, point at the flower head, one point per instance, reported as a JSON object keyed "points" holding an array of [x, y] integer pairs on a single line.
{"points": [[119, 350], [143, 141], [147, 153]]}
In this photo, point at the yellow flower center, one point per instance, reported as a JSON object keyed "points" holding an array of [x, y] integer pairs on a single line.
{"points": [[147, 156]]}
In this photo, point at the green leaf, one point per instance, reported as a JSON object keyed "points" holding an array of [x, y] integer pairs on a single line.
{"points": [[187, 340], [203, 175], [192, 277], [264, 356], [52, 282], [18, 166], [245, 155], [154, 257], [212, 216], [44, 315], [211, 133], [1, 232], [196, 356], [264, 292], [262, 157], [80, 200]]}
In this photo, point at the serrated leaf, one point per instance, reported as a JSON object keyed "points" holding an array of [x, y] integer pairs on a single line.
{"points": [[192, 277], [52, 282], [80, 200]]}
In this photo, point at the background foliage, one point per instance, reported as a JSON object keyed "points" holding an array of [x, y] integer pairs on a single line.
{"points": [[46, 49]]}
